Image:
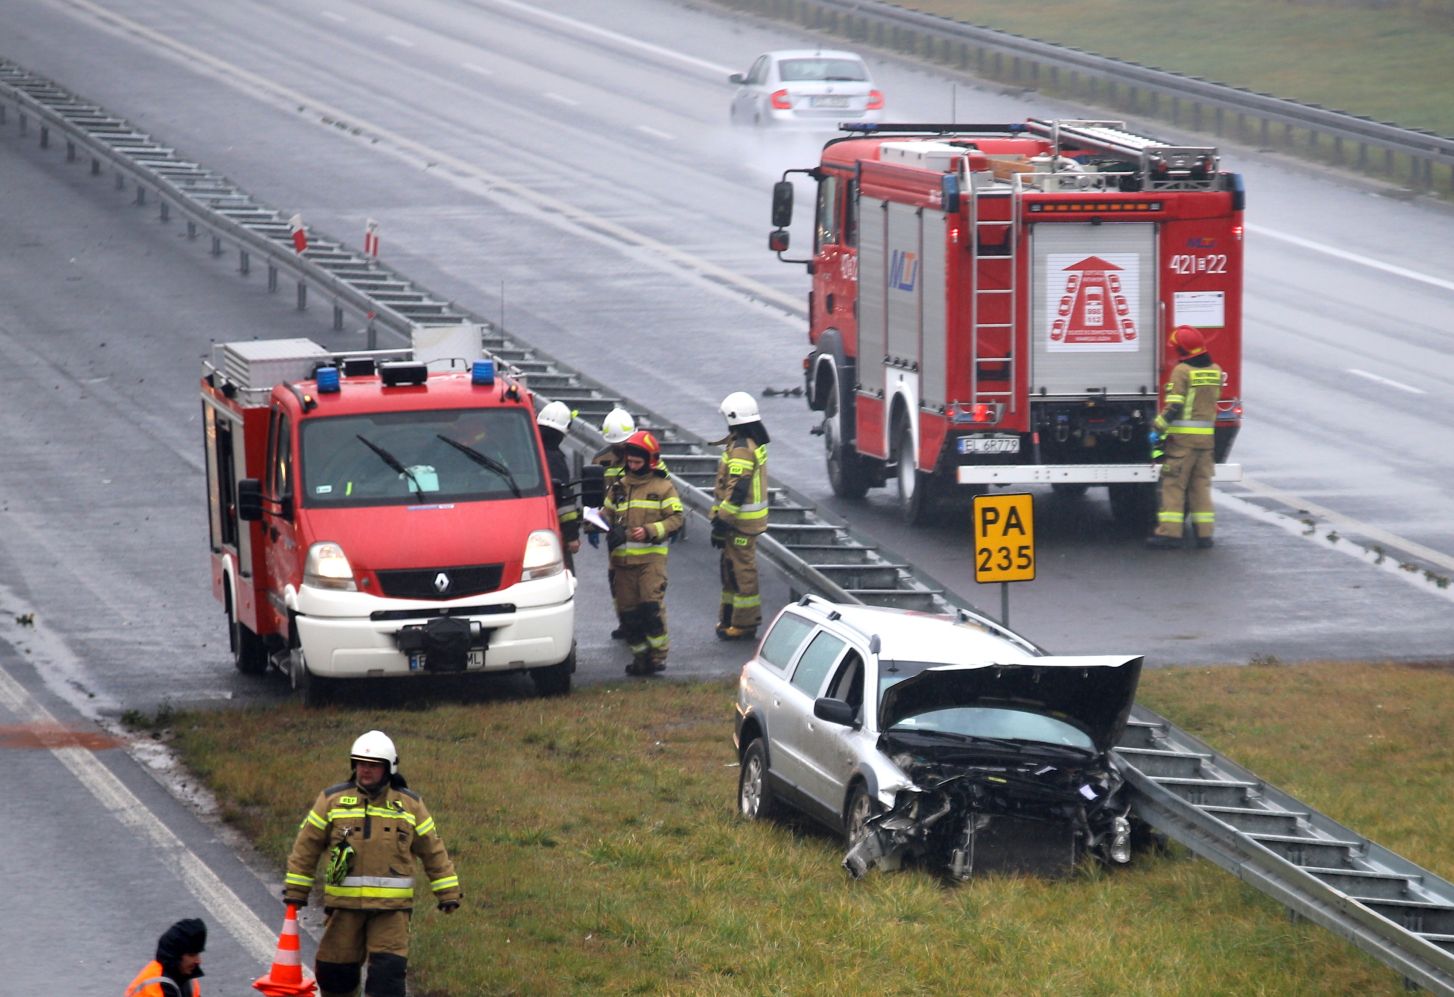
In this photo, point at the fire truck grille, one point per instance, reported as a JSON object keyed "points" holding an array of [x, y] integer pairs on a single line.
{"points": [[441, 583]]}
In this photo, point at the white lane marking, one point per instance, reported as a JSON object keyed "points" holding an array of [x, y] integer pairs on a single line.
{"points": [[215, 896], [1388, 381], [1342, 254], [654, 132], [333, 15], [480, 70], [1391, 542], [399, 40], [559, 99]]}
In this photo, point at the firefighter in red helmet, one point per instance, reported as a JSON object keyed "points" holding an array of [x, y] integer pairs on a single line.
{"points": [[1184, 430], [643, 509]]}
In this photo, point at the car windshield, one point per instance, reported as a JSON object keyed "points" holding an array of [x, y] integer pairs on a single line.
{"points": [[806, 70], [997, 723], [400, 458], [977, 720]]}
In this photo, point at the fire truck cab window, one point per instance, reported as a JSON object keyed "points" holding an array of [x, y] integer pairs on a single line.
{"points": [[401, 458], [280, 447], [827, 232]]}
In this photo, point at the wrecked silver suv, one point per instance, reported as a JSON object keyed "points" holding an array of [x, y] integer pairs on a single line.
{"points": [[943, 741]]}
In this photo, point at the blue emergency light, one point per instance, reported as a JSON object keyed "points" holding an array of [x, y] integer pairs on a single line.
{"points": [[327, 378], [482, 372]]}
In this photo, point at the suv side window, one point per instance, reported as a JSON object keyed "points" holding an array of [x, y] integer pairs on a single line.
{"points": [[847, 684], [783, 640], [816, 660]]}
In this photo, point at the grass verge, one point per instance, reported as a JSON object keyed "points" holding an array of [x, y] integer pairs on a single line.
{"points": [[598, 844]]}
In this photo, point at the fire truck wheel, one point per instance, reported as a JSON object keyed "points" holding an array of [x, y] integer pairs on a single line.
{"points": [[1133, 507], [554, 680], [914, 486], [313, 690], [249, 653], [846, 473]]}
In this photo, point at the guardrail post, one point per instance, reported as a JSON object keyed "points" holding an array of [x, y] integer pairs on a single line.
{"points": [[2, 114], [272, 278], [244, 262], [120, 180], [302, 296], [166, 210], [337, 317], [191, 229], [95, 166], [70, 151], [216, 244], [24, 124], [45, 136]]}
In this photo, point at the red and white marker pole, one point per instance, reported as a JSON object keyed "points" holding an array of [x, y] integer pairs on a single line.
{"points": [[371, 238], [299, 233]]}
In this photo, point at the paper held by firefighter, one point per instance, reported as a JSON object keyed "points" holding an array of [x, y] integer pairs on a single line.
{"points": [[592, 515]]}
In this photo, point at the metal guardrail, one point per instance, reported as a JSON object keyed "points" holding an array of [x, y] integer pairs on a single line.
{"points": [[1130, 88], [1395, 911], [1399, 913]]}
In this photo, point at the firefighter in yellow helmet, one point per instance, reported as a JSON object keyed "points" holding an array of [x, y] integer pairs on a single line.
{"points": [[372, 827], [1185, 431], [739, 515], [643, 510]]}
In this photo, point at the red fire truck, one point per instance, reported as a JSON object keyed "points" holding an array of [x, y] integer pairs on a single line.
{"points": [[990, 304], [382, 513]]}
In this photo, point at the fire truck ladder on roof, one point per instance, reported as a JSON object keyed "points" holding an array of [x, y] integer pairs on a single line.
{"points": [[1162, 166], [993, 207]]}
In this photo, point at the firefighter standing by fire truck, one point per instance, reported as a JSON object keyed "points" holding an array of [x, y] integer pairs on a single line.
{"points": [[739, 515], [616, 428], [643, 510], [1185, 431], [373, 827], [554, 421]]}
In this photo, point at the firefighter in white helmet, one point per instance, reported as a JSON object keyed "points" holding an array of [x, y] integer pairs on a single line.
{"points": [[617, 428], [739, 515], [554, 421], [372, 828]]}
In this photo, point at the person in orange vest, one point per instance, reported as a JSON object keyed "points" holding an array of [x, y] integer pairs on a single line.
{"points": [[178, 963], [643, 510], [373, 827], [1186, 430]]}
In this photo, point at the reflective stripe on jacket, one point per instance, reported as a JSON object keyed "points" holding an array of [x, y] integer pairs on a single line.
{"points": [[1192, 393], [386, 833], [648, 500], [740, 494]]}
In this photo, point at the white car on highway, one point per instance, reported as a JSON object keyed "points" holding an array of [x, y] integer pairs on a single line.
{"points": [[805, 88]]}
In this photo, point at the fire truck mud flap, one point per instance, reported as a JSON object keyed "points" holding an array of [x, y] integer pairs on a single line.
{"points": [[442, 644]]}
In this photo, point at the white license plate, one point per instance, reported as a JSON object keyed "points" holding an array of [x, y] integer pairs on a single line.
{"points": [[989, 444], [476, 660], [828, 101]]}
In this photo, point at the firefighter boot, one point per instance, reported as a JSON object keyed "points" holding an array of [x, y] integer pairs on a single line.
{"points": [[658, 661], [1158, 542], [737, 633], [1204, 542]]}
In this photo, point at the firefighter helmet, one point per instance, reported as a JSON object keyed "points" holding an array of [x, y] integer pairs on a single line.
{"points": [[617, 425], [556, 416], [1188, 341], [643, 444], [739, 408], [375, 746]]}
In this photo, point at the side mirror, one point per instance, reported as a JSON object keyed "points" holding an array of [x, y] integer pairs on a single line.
{"points": [[782, 204], [737, 78], [249, 500], [777, 240], [835, 711], [593, 485]]}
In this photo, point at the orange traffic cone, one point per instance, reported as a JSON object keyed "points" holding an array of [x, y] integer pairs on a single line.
{"points": [[285, 978]]}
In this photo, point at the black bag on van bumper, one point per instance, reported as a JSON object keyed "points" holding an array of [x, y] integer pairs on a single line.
{"points": [[443, 641]]}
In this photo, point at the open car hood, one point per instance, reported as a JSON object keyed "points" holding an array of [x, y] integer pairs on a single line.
{"points": [[1093, 692]]}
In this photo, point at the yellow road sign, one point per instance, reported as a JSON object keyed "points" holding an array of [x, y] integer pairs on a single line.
{"points": [[1004, 538]]}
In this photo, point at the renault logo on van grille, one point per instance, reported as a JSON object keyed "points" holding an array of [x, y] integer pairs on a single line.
{"points": [[441, 583], [455, 581]]}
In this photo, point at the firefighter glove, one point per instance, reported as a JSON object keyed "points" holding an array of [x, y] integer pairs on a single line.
{"points": [[340, 857], [1154, 438], [720, 533]]}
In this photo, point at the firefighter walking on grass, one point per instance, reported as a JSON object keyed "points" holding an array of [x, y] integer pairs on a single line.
{"points": [[739, 515], [1185, 431], [372, 827], [643, 510]]}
